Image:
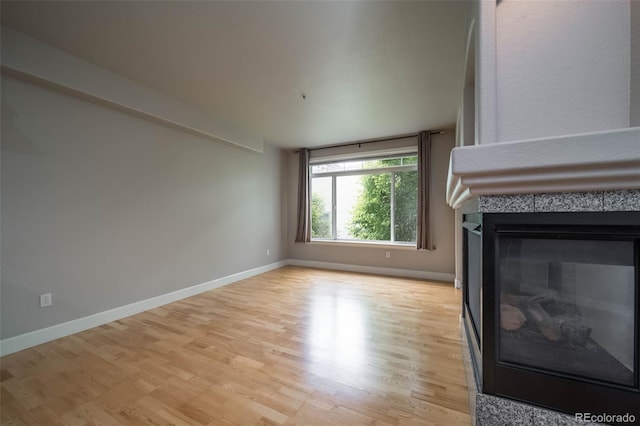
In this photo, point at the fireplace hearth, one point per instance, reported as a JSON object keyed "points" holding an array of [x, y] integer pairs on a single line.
{"points": [[550, 306]]}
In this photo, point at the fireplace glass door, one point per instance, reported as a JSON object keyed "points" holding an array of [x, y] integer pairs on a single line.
{"points": [[567, 307]]}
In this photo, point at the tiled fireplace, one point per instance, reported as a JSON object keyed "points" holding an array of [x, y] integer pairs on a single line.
{"points": [[551, 231], [551, 297]]}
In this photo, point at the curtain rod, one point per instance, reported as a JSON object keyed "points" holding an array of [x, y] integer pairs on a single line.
{"points": [[390, 138]]}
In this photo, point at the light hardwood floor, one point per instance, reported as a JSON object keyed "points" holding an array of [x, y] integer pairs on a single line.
{"points": [[292, 346]]}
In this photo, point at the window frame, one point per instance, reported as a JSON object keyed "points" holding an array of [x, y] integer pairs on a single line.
{"points": [[392, 170]]}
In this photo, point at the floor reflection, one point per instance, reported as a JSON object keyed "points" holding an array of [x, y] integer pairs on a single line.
{"points": [[338, 331]]}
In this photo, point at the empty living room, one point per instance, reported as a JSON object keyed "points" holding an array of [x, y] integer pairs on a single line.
{"points": [[320, 212]]}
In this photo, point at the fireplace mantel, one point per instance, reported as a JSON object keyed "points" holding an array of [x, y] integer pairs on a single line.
{"points": [[598, 161]]}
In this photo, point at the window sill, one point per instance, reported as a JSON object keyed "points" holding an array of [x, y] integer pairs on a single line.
{"points": [[363, 244]]}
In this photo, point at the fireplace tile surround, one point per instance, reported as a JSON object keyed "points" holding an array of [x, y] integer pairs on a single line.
{"points": [[595, 201]]}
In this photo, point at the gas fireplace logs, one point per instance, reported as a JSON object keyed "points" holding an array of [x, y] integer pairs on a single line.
{"points": [[553, 318]]}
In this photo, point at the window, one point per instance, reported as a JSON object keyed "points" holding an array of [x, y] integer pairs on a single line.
{"points": [[373, 199]]}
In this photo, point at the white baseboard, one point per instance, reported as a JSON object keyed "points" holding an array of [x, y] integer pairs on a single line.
{"points": [[407, 273], [37, 337], [457, 283]]}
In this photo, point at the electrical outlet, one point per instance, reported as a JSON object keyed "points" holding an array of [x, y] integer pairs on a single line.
{"points": [[388, 254], [45, 300], [268, 252]]}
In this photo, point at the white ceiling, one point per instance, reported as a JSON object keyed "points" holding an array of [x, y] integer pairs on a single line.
{"points": [[368, 69]]}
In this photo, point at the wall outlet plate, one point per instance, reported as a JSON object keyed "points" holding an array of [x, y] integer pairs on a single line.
{"points": [[45, 300]]}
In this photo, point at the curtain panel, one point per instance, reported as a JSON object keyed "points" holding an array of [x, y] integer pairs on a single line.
{"points": [[303, 233], [424, 240]]}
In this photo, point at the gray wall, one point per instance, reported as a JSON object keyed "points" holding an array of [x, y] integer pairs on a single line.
{"points": [[634, 110], [103, 209], [563, 67], [440, 260]]}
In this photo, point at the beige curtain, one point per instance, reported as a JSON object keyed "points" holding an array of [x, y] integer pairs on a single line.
{"points": [[424, 239], [303, 233]]}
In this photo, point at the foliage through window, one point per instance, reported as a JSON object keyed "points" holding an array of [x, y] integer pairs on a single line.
{"points": [[365, 200]]}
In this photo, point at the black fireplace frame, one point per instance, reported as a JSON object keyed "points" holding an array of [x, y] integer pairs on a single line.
{"points": [[472, 224], [527, 384]]}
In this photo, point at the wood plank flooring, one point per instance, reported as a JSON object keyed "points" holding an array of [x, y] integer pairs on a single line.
{"points": [[292, 346]]}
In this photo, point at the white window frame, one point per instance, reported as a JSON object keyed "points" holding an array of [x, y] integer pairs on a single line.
{"points": [[373, 171]]}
